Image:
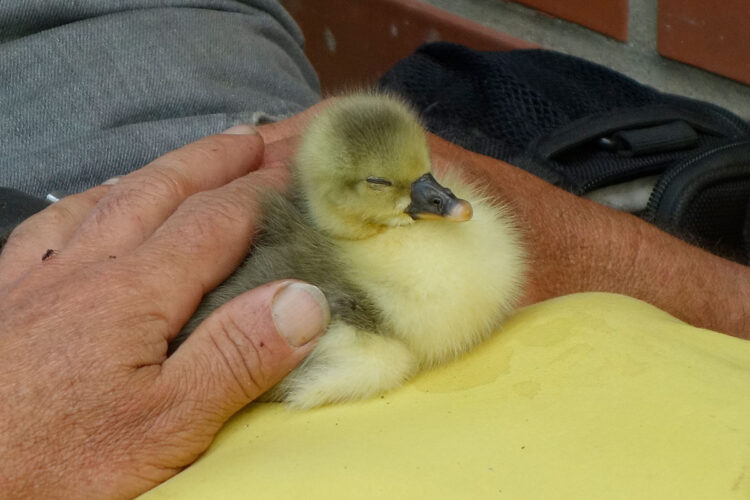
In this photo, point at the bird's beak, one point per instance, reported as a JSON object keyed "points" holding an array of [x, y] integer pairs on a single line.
{"points": [[430, 200]]}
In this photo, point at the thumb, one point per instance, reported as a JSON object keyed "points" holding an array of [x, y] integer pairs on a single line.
{"points": [[248, 345]]}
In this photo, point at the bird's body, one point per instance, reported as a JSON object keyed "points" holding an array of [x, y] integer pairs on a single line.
{"points": [[410, 280], [289, 246]]}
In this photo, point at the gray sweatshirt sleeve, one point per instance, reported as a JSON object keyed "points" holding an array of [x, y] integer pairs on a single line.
{"points": [[92, 89]]}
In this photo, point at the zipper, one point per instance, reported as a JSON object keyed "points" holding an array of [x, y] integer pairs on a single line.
{"points": [[738, 125], [600, 182], [661, 186]]}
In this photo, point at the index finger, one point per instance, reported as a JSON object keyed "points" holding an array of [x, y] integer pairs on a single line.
{"points": [[203, 242], [141, 201]]}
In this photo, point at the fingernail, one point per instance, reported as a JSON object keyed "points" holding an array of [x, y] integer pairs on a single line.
{"points": [[109, 182], [241, 130], [300, 312]]}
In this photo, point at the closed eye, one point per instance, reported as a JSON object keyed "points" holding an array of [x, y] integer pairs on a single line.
{"points": [[379, 181]]}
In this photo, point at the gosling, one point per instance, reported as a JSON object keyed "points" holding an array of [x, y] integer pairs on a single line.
{"points": [[414, 274]]}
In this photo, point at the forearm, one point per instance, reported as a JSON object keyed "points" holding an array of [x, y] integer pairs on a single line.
{"points": [[576, 245]]}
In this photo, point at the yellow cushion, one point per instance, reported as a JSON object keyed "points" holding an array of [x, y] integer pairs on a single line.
{"points": [[583, 397]]}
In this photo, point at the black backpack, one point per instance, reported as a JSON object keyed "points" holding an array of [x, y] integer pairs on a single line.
{"points": [[679, 163]]}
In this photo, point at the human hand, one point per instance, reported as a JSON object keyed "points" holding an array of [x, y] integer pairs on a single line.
{"points": [[91, 405]]}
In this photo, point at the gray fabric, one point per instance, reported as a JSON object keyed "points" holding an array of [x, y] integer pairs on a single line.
{"points": [[90, 89]]}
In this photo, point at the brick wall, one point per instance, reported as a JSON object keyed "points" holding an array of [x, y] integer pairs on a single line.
{"points": [[690, 47], [710, 35], [609, 17]]}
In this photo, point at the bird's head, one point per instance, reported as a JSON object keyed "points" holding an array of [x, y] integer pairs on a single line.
{"points": [[363, 166]]}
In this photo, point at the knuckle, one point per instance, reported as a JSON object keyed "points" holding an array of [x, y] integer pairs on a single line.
{"points": [[51, 217], [165, 181], [119, 204], [212, 216], [243, 356], [37, 229], [19, 234], [131, 199], [154, 186], [58, 214]]}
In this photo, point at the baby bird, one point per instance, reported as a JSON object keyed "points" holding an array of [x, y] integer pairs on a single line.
{"points": [[414, 275]]}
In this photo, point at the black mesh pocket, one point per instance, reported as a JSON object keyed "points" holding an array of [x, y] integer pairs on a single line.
{"points": [[715, 218], [704, 200]]}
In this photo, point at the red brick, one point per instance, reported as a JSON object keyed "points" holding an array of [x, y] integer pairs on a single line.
{"points": [[352, 43], [710, 35], [605, 16]]}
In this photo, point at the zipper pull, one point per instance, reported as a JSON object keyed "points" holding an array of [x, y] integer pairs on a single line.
{"points": [[672, 136]]}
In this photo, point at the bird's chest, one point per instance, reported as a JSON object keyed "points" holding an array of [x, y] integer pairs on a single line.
{"points": [[436, 283]]}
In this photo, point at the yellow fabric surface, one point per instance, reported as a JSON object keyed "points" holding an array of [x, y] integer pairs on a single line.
{"points": [[589, 396]]}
